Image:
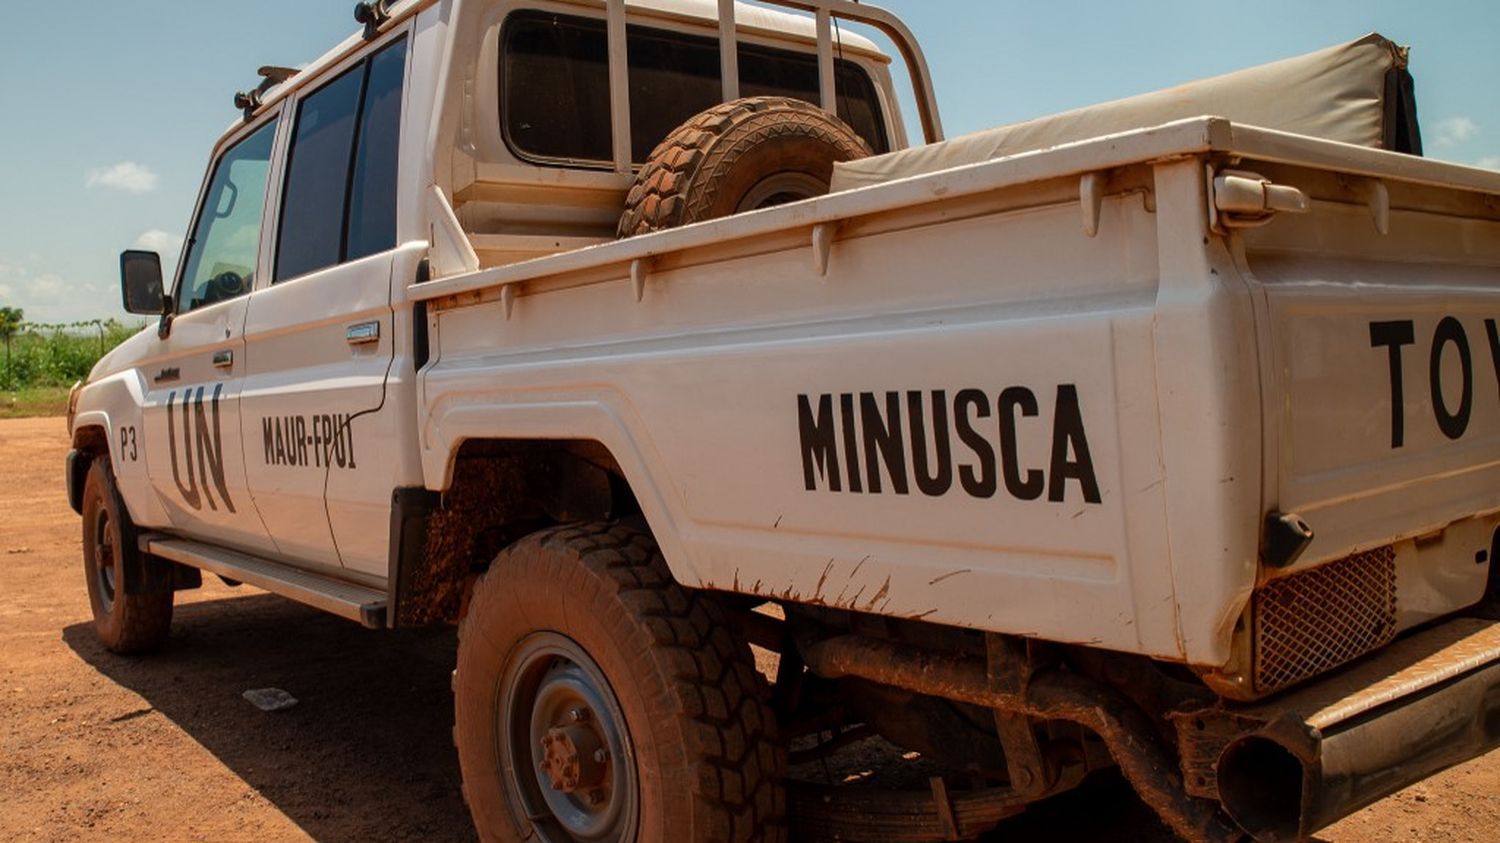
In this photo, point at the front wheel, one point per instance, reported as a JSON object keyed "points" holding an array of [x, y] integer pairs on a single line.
{"points": [[597, 700], [128, 620]]}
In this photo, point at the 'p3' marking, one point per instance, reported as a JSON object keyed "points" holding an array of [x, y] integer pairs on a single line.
{"points": [[128, 449]]}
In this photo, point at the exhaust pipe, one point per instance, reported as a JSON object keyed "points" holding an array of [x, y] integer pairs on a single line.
{"points": [[1126, 731], [1262, 786], [1292, 777], [1280, 770]]}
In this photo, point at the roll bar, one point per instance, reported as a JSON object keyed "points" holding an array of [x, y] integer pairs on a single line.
{"points": [[824, 12]]}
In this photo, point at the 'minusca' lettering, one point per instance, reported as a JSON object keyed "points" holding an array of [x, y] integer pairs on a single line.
{"points": [[926, 431]]}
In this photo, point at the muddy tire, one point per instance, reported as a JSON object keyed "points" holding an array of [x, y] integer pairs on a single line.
{"points": [[127, 621], [742, 155], [597, 700]]}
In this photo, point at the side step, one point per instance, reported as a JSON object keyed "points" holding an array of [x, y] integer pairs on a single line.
{"points": [[345, 599]]}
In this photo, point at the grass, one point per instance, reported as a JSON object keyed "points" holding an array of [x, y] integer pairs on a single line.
{"points": [[39, 363], [33, 401]]}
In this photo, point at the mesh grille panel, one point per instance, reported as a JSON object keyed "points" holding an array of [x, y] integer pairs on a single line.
{"points": [[1314, 621]]}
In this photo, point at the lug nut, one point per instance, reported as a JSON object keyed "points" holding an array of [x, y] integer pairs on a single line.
{"points": [[601, 755], [579, 715], [596, 796]]}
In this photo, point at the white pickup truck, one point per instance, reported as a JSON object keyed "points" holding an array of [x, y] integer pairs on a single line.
{"points": [[1129, 437]]}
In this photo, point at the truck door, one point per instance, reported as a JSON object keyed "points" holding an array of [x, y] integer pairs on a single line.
{"points": [[194, 380], [319, 339]]}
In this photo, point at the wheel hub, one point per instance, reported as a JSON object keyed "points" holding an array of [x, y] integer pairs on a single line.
{"points": [[568, 729], [104, 561], [574, 758]]}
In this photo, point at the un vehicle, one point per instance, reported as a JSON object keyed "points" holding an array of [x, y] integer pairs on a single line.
{"points": [[631, 339]]}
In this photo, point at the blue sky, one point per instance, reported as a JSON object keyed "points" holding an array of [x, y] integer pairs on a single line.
{"points": [[110, 108]]}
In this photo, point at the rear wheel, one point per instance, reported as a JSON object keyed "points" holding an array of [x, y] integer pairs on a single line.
{"points": [[743, 155], [128, 620], [596, 700]]}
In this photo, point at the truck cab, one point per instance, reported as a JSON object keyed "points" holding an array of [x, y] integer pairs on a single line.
{"points": [[274, 404]]}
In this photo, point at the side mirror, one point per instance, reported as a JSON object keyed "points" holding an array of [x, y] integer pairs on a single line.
{"points": [[140, 283]]}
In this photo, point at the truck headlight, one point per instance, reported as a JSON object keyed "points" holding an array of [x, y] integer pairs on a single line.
{"points": [[73, 403]]}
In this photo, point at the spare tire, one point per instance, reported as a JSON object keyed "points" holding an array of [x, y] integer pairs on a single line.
{"points": [[745, 154]]}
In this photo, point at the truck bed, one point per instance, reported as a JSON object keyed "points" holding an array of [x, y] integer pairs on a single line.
{"points": [[1039, 395]]}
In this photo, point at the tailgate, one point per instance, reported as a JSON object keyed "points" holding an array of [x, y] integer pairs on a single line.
{"points": [[1380, 358]]}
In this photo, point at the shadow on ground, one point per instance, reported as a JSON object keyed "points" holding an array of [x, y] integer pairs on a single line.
{"points": [[367, 753]]}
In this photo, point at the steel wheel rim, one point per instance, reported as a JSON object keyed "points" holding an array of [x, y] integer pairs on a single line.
{"points": [[548, 678], [105, 559], [781, 189]]}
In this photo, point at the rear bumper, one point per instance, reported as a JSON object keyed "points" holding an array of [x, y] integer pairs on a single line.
{"points": [[1290, 766]]}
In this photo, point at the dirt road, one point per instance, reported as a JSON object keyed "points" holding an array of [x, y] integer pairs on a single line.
{"points": [[94, 746]]}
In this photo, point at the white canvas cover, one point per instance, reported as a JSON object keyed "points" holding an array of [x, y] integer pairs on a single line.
{"points": [[1339, 93]]}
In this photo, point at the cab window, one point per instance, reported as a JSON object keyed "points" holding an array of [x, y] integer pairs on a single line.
{"points": [[340, 198], [222, 253], [554, 86]]}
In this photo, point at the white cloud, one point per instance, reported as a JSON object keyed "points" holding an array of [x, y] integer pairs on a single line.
{"points": [[50, 298], [1489, 162], [1456, 130], [164, 243], [126, 175]]}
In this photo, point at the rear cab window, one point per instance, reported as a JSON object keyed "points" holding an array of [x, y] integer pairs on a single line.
{"points": [[339, 203], [554, 86]]}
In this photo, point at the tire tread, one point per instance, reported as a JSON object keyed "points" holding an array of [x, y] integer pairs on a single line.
{"points": [[143, 620], [681, 178], [714, 688]]}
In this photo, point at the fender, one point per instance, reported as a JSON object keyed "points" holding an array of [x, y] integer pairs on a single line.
{"points": [[114, 405], [449, 425]]}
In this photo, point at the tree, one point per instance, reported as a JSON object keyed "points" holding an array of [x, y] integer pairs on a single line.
{"points": [[10, 322]]}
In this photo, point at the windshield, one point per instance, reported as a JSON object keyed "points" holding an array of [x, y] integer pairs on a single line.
{"points": [[226, 237]]}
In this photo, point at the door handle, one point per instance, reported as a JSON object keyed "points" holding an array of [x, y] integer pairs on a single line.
{"points": [[169, 374], [362, 333], [224, 358]]}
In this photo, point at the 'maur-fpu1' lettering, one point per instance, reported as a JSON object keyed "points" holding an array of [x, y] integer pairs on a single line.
{"points": [[320, 441], [858, 441]]}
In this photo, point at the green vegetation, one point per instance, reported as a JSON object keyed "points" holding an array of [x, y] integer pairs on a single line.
{"points": [[42, 361], [34, 401]]}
